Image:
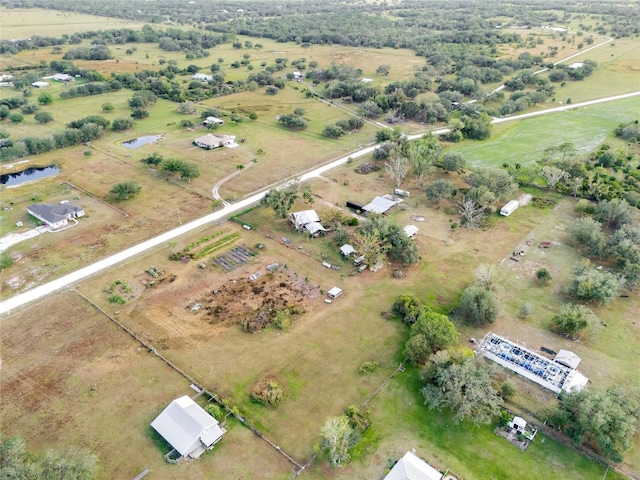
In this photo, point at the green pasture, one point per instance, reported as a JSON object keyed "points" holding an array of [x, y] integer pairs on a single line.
{"points": [[524, 141], [401, 423], [22, 23], [618, 72]]}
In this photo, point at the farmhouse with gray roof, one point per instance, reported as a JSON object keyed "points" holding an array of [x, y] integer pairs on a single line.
{"points": [[55, 215]]}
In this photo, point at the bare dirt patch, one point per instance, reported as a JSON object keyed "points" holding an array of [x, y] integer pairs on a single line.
{"points": [[253, 303]]}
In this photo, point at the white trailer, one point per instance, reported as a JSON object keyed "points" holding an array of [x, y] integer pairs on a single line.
{"points": [[509, 208]]}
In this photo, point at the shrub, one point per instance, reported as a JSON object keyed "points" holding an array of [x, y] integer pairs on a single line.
{"points": [[215, 411], [268, 392], [117, 299], [368, 367]]}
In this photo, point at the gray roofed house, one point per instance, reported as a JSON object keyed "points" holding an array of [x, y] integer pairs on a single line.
{"points": [[188, 428], [411, 467], [55, 215]]}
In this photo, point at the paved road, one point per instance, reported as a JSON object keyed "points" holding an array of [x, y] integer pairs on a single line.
{"points": [[41, 291]]}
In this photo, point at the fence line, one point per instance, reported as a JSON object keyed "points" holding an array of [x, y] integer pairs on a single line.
{"points": [[193, 381], [121, 212]]}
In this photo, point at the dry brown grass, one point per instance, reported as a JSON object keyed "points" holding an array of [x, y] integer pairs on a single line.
{"points": [[76, 372]]}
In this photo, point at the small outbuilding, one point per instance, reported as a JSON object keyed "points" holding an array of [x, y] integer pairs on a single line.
{"points": [[411, 231], [188, 428], [509, 208], [411, 467], [40, 84], [567, 358], [213, 120], [347, 250], [518, 424], [334, 292], [380, 205]]}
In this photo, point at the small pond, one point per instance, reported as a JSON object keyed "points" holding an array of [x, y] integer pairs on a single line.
{"points": [[28, 175], [140, 141]]}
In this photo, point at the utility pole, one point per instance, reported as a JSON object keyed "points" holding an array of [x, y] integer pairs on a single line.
{"points": [[178, 210]]}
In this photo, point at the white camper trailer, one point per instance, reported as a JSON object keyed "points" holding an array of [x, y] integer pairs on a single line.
{"points": [[509, 208]]}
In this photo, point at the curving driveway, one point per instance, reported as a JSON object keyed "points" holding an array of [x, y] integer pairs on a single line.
{"points": [[36, 293]]}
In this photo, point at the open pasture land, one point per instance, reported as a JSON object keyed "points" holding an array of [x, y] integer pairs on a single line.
{"points": [[317, 359], [617, 72], [403, 63], [524, 141], [25, 22], [93, 386]]}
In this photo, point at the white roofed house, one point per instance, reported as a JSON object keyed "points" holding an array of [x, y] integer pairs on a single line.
{"points": [[63, 77], [211, 141], [307, 220], [188, 428], [202, 77], [411, 467]]}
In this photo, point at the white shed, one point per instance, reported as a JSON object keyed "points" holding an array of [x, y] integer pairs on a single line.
{"points": [[334, 292], [347, 249], [411, 467], [509, 208], [411, 231], [567, 358], [518, 424]]}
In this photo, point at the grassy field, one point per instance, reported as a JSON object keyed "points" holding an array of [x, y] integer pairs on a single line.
{"points": [[586, 128], [401, 423], [22, 23], [95, 387]]}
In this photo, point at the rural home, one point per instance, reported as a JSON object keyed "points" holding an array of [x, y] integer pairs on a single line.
{"points": [[202, 77], [307, 220], [56, 215], [63, 77], [411, 467], [188, 428], [347, 250], [40, 84], [214, 120], [211, 141]]}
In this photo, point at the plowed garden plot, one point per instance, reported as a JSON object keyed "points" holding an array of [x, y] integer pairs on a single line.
{"points": [[235, 258]]}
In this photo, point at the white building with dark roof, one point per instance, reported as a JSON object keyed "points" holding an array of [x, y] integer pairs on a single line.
{"points": [[55, 215], [188, 428]]}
